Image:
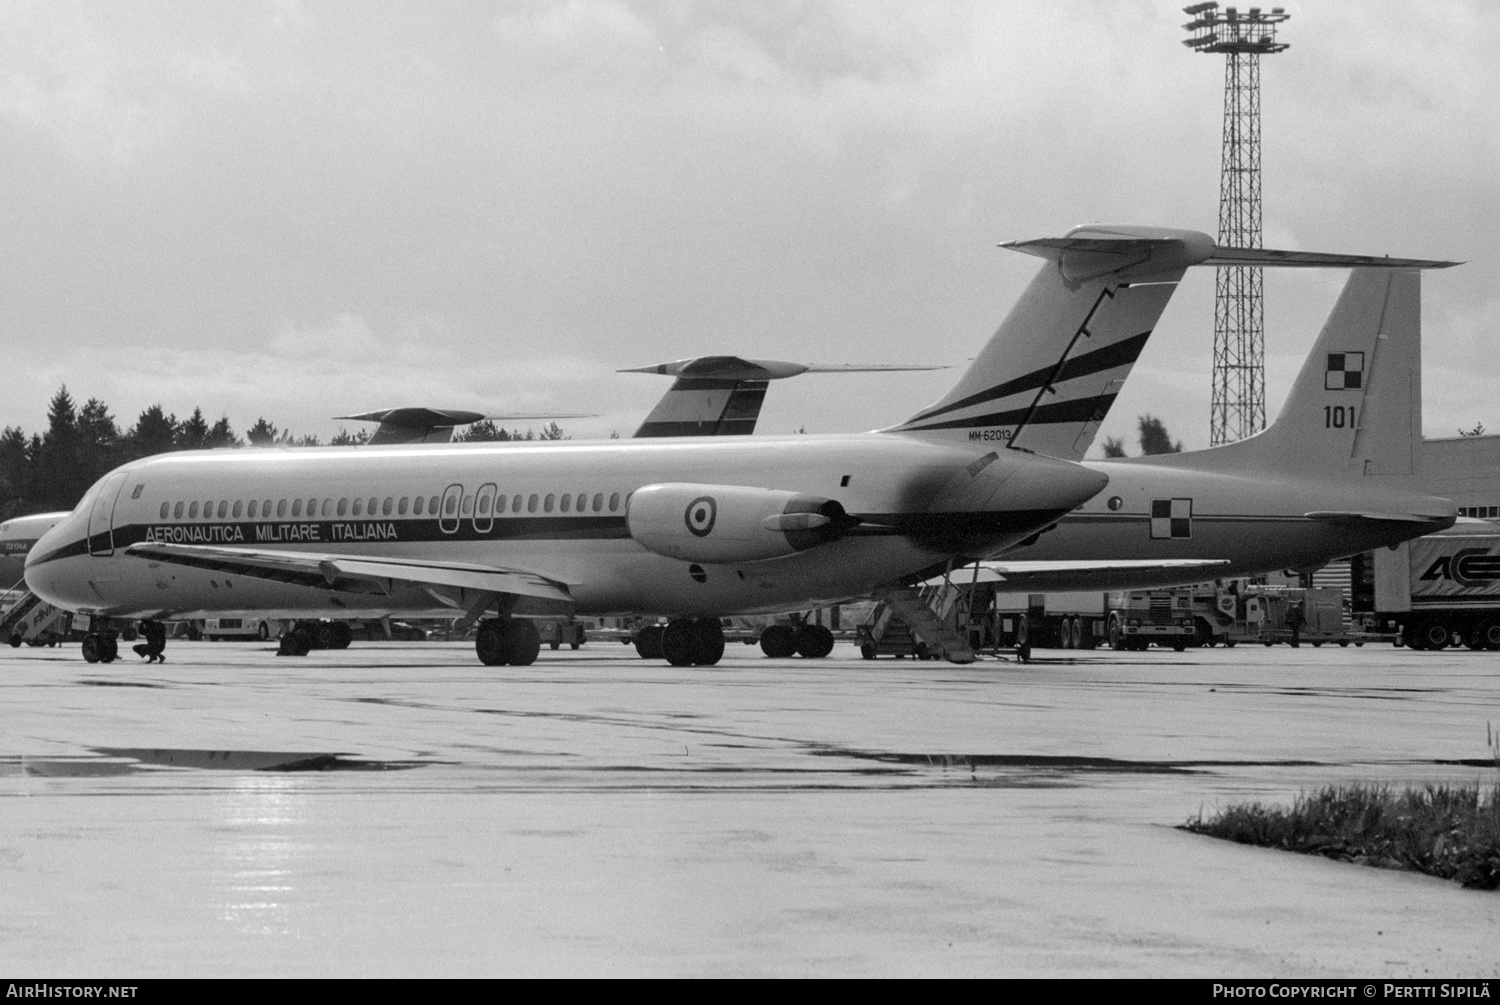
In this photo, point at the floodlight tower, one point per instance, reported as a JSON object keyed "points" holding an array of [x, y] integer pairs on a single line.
{"points": [[1238, 407]]}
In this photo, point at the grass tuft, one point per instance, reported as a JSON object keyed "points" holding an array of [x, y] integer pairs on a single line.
{"points": [[1449, 831]]}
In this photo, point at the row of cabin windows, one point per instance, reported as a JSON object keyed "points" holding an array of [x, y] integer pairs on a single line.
{"points": [[391, 506], [1483, 512]]}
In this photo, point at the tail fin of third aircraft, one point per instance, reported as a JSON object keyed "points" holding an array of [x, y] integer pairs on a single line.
{"points": [[1356, 406]]}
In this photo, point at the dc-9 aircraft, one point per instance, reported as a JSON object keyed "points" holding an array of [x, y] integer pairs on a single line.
{"points": [[693, 528]]}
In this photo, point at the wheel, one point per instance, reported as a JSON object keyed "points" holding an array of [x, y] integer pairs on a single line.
{"points": [[1434, 633], [1229, 643], [554, 646], [15, 640], [1343, 643], [813, 641], [708, 642], [91, 648], [127, 634], [1317, 645], [778, 642], [1178, 645], [323, 635], [1116, 633], [342, 635], [867, 650], [678, 643], [1487, 632], [1268, 643], [522, 643], [489, 643], [648, 642], [574, 645], [263, 632], [294, 643], [109, 651]]}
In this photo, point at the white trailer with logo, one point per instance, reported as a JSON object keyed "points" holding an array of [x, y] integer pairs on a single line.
{"points": [[1438, 590]]}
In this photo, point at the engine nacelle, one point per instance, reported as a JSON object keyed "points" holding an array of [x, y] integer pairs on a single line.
{"points": [[731, 523]]}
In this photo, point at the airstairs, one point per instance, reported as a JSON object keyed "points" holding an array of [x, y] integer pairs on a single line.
{"points": [[28, 615], [923, 616]]}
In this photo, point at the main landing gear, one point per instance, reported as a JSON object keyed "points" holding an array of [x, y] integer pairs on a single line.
{"points": [[305, 636], [810, 641], [513, 641], [683, 642], [100, 647]]}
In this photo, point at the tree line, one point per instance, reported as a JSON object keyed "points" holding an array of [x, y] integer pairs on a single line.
{"points": [[51, 470]]}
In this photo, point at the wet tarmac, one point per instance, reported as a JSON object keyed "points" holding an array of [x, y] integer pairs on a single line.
{"points": [[399, 809]]}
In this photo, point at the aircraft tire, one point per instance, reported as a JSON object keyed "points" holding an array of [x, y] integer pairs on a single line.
{"points": [[708, 642], [489, 643], [342, 635], [1116, 634], [91, 648], [813, 642], [867, 650], [679, 643], [15, 640], [778, 642], [648, 642], [522, 644]]}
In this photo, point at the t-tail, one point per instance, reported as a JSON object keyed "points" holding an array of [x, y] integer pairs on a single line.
{"points": [[1048, 377]]}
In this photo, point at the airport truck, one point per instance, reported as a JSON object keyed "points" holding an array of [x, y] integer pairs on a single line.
{"points": [[1436, 591]]}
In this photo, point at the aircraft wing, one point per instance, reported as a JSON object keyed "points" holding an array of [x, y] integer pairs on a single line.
{"points": [[354, 574], [1349, 516], [1040, 577]]}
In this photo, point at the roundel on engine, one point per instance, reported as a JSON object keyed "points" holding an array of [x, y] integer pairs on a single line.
{"points": [[700, 516]]}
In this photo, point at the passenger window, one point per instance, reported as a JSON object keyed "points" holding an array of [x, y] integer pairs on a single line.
{"points": [[223, 508], [343, 507], [547, 503], [312, 507], [193, 511], [563, 503], [137, 493], [484, 505], [165, 508], [531, 503], [296, 507], [265, 509], [370, 509], [251, 512], [515, 506], [432, 505], [614, 501], [416, 506], [450, 505], [468, 506], [359, 506], [328, 507], [387, 506], [177, 512], [208, 510], [280, 508], [401, 507], [239, 507], [598, 501]]}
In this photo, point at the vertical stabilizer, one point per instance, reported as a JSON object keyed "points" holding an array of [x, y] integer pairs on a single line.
{"points": [[1048, 376], [1355, 408]]}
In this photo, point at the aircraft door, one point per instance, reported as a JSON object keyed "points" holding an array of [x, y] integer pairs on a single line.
{"points": [[101, 515], [448, 518]]}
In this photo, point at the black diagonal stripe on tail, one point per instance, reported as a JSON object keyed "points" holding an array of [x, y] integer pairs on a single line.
{"points": [[1071, 411], [1121, 353]]}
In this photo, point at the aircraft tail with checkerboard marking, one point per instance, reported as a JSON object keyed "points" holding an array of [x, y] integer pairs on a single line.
{"points": [[1356, 407]]}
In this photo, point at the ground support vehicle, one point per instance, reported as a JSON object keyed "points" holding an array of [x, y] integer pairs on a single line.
{"points": [[1435, 591], [252, 629], [556, 634]]}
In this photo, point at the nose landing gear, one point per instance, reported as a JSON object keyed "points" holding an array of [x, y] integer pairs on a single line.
{"points": [[100, 647]]}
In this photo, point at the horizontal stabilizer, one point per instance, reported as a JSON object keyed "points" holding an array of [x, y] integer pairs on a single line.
{"points": [[738, 368], [1317, 260], [416, 424]]}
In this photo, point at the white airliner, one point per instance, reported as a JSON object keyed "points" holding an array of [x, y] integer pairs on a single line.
{"points": [[17, 536], [690, 528]]}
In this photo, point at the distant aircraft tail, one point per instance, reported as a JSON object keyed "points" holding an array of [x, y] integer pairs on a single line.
{"points": [[1048, 376]]}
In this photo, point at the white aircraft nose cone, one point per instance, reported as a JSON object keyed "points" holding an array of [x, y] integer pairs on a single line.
{"points": [[1048, 484]]}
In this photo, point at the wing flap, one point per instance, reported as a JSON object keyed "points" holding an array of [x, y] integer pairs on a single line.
{"points": [[354, 574]]}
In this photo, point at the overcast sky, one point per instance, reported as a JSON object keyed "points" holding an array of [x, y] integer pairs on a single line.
{"points": [[299, 210]]}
